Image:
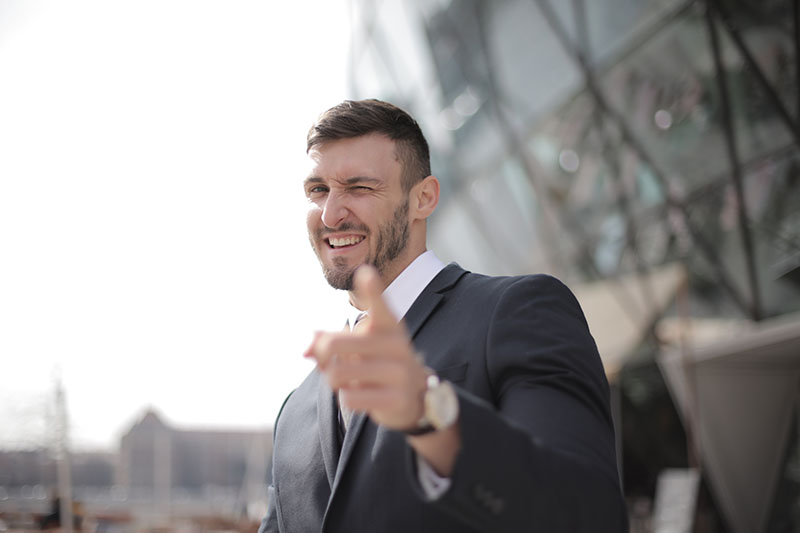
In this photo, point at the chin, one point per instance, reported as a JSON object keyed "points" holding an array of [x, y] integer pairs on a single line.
{"points": [[339, 275], [339, 279]]}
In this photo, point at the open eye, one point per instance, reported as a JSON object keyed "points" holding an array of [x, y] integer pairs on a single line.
{"points": [[316, 190]]}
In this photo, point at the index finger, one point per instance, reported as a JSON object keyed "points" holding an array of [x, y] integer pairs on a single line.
{"points": [[367, 284]]}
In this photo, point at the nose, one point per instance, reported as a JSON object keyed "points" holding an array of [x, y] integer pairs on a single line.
{"points": [[335, 210]]}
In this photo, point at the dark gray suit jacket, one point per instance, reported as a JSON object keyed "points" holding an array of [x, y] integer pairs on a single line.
{"points": [[538, 446]]}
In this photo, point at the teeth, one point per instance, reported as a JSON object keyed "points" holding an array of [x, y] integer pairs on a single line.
{"points": [[344, 241]]}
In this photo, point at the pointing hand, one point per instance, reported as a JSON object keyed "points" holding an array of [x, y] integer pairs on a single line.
{"points": [[374, 368]]}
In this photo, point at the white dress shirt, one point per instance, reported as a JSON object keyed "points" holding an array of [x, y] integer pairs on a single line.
{"points": [[399, 296]]}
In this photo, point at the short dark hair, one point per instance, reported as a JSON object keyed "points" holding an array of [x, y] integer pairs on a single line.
{"points": [[354, 118]]}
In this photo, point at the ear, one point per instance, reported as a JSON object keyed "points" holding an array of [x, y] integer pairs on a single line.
{"points": [[424, 196]]}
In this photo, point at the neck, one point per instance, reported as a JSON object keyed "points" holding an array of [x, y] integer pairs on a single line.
{"points": [[387, 277]]}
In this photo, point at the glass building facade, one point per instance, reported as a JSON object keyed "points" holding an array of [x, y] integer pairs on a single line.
{"points": [[608, 139]]}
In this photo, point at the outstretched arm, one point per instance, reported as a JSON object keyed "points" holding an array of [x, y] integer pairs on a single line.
{"points": [[541, 455]]}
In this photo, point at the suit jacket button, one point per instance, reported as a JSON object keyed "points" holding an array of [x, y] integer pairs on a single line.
{"points": [[498, 505], [481, 494]]}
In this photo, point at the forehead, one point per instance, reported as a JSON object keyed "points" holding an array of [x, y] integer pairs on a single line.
{"points": [[370, 155]]}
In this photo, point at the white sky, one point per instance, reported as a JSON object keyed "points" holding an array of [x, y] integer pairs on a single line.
{"points": [[152, 235]]}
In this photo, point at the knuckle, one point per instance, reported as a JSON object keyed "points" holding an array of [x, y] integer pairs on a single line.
{"points": [[408, 375], [324, 344], [334, 378]]}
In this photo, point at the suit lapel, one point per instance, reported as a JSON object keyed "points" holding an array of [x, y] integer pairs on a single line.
{"points": [[357, 422], [350, 437], [430, 298], [328, 425]]}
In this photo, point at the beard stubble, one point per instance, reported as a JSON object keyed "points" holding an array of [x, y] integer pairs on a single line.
{"points": [[392, 239]]}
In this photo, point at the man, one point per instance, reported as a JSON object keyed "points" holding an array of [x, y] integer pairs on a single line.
{"points": [[484, 409]]}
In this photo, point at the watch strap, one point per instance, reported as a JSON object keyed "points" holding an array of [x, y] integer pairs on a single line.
{"points": [[423, 425], [419, 430]]}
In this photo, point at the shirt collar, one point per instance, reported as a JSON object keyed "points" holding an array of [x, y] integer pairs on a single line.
{"points": [[404, 290], [408, 285]]}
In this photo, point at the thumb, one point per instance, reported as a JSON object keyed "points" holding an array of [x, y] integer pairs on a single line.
{"points": [[367, 285]]}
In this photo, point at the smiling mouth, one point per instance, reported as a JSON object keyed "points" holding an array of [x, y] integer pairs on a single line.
{"points": [[343, 242]]}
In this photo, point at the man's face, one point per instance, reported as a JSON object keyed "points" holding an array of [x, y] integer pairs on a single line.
{"points": [[358, 212]]}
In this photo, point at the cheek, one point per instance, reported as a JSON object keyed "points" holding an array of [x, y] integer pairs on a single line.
{"points": [[364, 211], [313, 217]]}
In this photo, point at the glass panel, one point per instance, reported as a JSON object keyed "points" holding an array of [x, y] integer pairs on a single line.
{"points": [[600, 185], [768, 32], [532, 70], [758, 126], [457, 234], [665, 91], [772, 193], [454, 37], [510, 238], [614, 24]]}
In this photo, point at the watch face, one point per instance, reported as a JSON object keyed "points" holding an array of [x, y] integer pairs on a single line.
{"points": [[441, 405]]}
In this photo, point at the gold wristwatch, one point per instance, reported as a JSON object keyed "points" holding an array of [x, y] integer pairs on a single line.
{"points": [[440, 407]]}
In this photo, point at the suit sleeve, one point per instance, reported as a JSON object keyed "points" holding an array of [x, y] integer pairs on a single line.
{"points": [[270, 523], [541, 457]]}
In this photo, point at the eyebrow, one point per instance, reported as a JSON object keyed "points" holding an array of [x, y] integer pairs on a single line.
{"points": [[312, 179], [348, 181]]}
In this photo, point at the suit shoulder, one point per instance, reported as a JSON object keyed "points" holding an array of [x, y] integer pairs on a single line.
{"points": [[280, 411], [509, 294], [526, 282], [302, 397], [541, 282]]}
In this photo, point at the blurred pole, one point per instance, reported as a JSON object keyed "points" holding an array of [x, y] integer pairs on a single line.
{"points": [[610, 155], [796, 13], [63, 473], [729, 128], [766, 86], [615, 392], [690, 413], [162, 476]]}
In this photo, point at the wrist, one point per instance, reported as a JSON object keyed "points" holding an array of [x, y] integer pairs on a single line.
{"points": [[439, 407], [439, 449]]}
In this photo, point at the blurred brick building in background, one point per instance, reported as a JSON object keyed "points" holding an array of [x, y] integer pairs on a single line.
{"points": [[161, 477]]}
